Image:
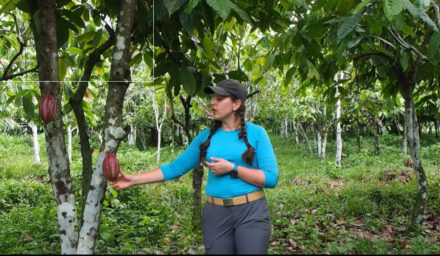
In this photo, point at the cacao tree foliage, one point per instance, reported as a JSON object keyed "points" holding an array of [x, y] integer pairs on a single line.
{"points": [[290, 50]]}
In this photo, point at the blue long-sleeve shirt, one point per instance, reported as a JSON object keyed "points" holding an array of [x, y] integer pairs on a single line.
{"points": [[227, 145]]}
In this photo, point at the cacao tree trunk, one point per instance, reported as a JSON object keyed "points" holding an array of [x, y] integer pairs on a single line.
{"points": [[132, 136], [412, 135], [76, 103], [338, 129], [324, 145], [36, 144], [436, 128], [404, 144], [306, 139], [295, 131], [43, 25], [113, 126], [159, 121], [69, 143], [376, 140], [197, 172]]}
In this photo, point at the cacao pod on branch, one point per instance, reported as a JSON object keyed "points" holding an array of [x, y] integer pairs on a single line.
{"points": [[110, 166], [48, 107]]}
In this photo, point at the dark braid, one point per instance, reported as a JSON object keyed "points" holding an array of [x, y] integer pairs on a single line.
{"points": [[215, 125], [249, 154]]}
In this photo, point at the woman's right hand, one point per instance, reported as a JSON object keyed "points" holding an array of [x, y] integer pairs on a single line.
{"points": [[123, 181]]}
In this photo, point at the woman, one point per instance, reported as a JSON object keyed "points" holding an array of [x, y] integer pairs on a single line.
{"points": [[241, 161]]}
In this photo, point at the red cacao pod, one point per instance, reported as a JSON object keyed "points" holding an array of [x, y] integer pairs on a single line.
{"points": [[48, 107], [110, 166]]}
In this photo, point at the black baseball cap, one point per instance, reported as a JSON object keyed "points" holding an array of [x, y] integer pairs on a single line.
{"points": [[228, 88]]}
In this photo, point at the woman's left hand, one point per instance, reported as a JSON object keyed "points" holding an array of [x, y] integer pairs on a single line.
{"points": [[219, 166]]}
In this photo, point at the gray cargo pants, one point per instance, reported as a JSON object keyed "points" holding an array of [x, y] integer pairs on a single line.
{"points": [[238, 229]]}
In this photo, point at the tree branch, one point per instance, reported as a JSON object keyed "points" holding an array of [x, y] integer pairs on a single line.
{"points": [[4, 78], [437, 12], [173, 114], [91, 62], [368, 54], [405, 44], [20, 51]]}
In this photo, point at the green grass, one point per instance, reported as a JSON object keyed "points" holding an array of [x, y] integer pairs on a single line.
{"points": [[362, 207]]}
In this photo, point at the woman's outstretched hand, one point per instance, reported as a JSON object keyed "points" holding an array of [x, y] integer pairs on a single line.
{"points": [[123, 181]]}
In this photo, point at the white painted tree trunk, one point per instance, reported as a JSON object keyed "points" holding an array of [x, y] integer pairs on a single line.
{"points": [[338, 129], [113, 131], [159, 121], [89, 229], [295, 132], [318, 144], [132, 136], [43, 25], [324, 145], [36, 144], [69, 143]]}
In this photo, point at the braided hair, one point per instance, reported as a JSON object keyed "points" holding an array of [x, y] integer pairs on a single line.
{"points": [[249, 154]]}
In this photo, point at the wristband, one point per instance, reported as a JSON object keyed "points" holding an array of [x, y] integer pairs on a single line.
{"points": [[234, 171]]}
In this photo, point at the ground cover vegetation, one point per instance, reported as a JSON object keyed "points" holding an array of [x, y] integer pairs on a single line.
{"points": [[360, 208]]}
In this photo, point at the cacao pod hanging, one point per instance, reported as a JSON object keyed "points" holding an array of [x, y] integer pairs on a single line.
{"points": [[48, 107], [110, 166]]}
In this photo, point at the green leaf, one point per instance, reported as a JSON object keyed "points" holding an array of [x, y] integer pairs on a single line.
{"points": [[74, 50], [189, 21], [74, 17], [191, 5], [23, 5], [61, 3], [148, 60], [136, 59], [347, 26], [392, 8], [188, 81], [312, 71], [222, 7], [67, 108], [238, 75], [97, 38], [360, 6], [10, 99], [242, 14], [289, 75], [434, 47], [8, 6], [208, 48], [62, 31], [85, 37], [173, 5], [404, 60], [96, 17], [28, 106], [419, 13], [62, 69]]}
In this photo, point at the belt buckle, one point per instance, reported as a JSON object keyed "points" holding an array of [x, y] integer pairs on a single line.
{"points": [[228, 202]]}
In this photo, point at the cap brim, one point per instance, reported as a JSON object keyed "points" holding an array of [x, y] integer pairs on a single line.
{"points": [[216, 90]]}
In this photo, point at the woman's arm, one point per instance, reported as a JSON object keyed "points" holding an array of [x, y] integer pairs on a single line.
{"points": [[126, 180]]}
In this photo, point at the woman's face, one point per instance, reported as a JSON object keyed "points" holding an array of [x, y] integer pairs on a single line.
{"points": [[223, 106]]}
